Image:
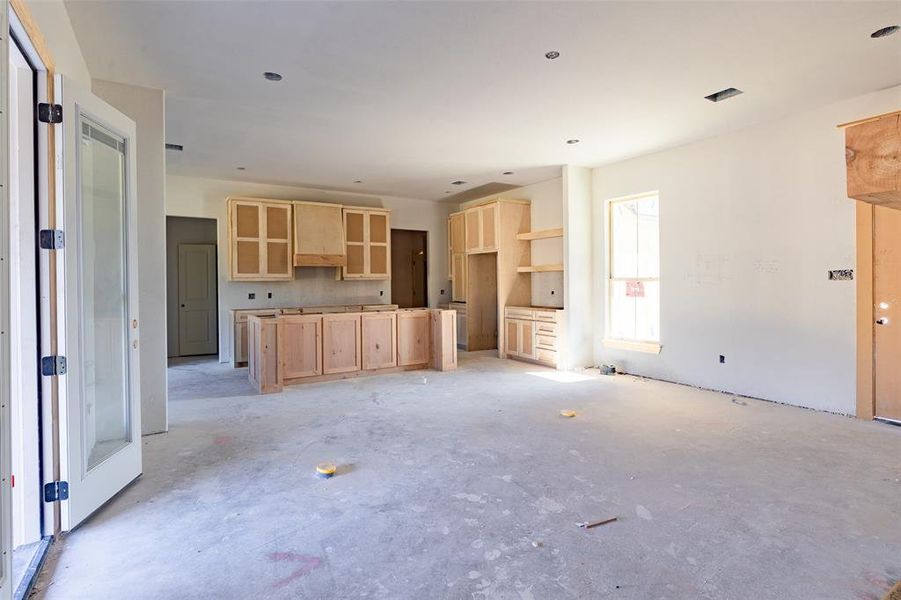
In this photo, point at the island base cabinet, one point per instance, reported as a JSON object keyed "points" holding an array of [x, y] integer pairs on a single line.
{"points": [[413, 333], [379, 340], [299, 346], [341, 344]]}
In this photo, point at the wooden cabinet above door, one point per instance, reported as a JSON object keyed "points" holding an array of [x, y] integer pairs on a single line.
{"points": [[480, 232], [260, 240]]}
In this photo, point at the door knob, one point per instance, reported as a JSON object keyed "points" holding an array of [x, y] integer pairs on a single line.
{"points": [[882, 321]]}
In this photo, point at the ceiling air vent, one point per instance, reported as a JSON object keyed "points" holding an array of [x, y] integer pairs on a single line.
{"points": [[176, 147], [723, 95]]}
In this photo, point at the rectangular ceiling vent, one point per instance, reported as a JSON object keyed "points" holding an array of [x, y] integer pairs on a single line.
{"points": [[723, 95], [176, 147]]}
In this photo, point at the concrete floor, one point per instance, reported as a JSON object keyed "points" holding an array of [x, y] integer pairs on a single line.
{"points": [[469, 484]]}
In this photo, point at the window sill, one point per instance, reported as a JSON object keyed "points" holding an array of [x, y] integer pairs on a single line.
{"points": [[647, 347]]}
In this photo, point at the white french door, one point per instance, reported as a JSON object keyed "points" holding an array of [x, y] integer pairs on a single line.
{"points": [[100, 416], [5, 383]]}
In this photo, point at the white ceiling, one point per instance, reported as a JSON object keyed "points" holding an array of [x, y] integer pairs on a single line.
{"points": [[409, 96]]}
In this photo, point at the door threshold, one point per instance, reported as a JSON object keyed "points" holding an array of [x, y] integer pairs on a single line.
{"points": [[33, 570], [888, 421]]}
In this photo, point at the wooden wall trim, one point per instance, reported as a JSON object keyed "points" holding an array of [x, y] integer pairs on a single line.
{"points": [[34, 34], [866, 399]]}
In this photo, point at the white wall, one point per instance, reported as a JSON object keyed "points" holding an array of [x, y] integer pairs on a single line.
{"points": [[198, 197], [53, 20], [750, 223], [146, 107], [579, 268]]}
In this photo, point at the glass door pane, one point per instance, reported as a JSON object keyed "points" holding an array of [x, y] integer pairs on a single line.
{"points": [[104, 292]]}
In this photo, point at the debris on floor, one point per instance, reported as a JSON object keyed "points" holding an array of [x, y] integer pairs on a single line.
{"points": [[567, 413], [736, 400], [590, 524], [325, 470], [607, 370], [894, 593]]}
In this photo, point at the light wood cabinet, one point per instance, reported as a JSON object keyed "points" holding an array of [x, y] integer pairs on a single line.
{"points": [[259, 240], [413, 333], [520, 338], [379, 340], [341, 343], [299, 346], [239, 341], [444, 339], [367, 238], [319, 235], [458, 278], [481, 228]]}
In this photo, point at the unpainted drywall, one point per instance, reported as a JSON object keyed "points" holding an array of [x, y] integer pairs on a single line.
{"points": [[199, 197], [750, 223], [53, 21], [181, 230], [146, 107]]}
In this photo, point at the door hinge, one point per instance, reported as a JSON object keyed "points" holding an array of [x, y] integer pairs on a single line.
{"points": [[53, 365], [56, 491], [50, 113], [52, 239]]}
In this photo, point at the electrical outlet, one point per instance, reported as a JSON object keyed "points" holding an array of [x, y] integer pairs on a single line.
{"points": [[270, 294], [251, 296], [381, 292], [442, 292], [552, 292], [722, 359]]}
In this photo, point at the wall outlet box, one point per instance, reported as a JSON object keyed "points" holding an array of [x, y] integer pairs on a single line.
{"points": [[841, 275], [251, 296]]}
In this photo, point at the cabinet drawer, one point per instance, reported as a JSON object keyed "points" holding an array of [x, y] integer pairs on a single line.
{"points": [[547, 356], [545, 328], [548, 316], [546, 342], [519, 313]]}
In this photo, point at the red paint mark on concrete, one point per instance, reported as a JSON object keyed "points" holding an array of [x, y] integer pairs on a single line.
{"points": [[219, 440], [306, 564]]}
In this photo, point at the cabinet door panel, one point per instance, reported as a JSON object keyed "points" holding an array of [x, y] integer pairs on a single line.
{"points": [[247, 258], [247, 221], [300, 346], [512, 337], [378, 228], [379, 341], [353, 226], [341, 344], [378, 260], [473, 230], [277, 218], [489, 226], [355, 261], [526, 339], [413, 333], [278, 262], [458, 283], [457, 234]]}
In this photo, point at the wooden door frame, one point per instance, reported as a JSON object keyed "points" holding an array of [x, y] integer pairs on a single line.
{"points": [[866, 376], [46, 171]]}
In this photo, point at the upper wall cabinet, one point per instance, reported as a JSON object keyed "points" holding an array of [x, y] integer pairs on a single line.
{"points": [[367, 238], [259, 240], [481, 228], [872, 148], [318, 235]]}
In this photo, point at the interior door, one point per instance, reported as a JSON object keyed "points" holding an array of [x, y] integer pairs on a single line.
{"points": [[100, 402], [887, 311], [5, 429], [197, 327]]}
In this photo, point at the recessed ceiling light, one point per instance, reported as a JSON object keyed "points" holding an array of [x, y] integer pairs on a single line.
{"points": [[271, 76], [458, 182], [176, 147], [552, 55], [573, 141], [885, 31], [508, 172], [723, 95]]}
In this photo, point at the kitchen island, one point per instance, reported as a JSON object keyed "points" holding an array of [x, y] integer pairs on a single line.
{"points": [[288, 349]]}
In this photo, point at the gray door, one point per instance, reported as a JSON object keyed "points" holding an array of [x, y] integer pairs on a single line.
{"points": [[197, 331]]}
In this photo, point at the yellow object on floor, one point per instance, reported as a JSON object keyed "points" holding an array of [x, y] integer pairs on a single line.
{"points": [[568, 413], [894, 593], [325, 470]]}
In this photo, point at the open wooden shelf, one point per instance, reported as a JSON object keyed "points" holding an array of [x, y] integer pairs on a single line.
{"points": [[541, 234], [540, 268]]}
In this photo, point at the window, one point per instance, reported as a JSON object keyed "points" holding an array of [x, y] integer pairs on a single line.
{"points": [[633, 286]]}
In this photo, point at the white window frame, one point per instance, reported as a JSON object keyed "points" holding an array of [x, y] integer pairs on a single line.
{"points": [[648, 346]]}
